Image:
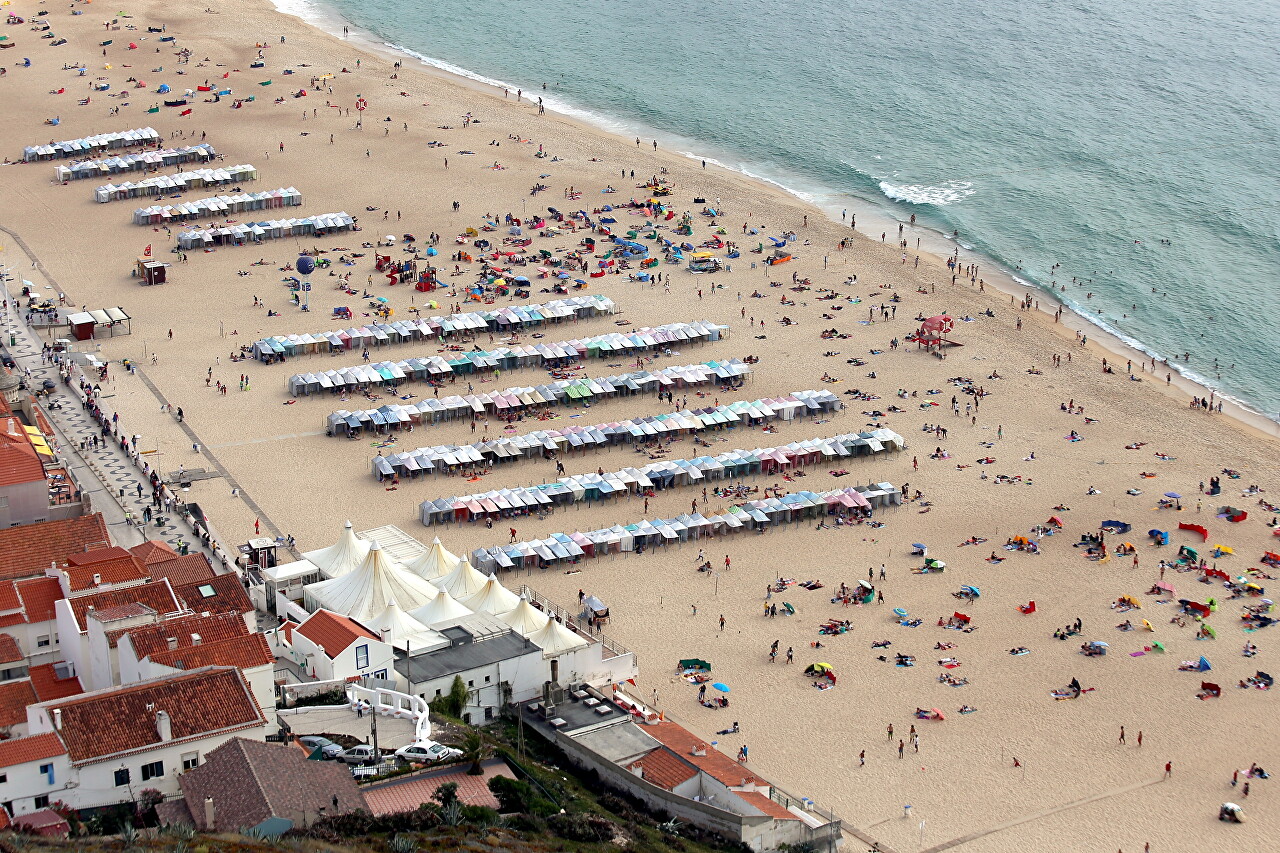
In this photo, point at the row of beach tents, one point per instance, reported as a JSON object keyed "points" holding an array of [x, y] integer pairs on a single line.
{"points": [[137, 161], [659, 475], [91, 145], [272, 229], [219, 205], [562, 392], [180, 182]]}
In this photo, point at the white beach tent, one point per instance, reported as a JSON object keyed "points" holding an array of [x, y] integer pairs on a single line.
{"points": [[463, 582], [341, 557], [493, 598], [435, 562], [402, 630], [555, 639], [443, 608], [525, 619], [366, 591]]}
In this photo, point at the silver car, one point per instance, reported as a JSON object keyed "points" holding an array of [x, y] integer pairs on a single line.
{"points": [[427, 752], [328, 749]]}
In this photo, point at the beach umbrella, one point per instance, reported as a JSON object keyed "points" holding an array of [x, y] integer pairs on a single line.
{"points": [[390, 238], [721, 686], [1173, 495]]}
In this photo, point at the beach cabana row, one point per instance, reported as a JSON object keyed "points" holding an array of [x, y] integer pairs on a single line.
{"points": [[442, 327], [137, 161], [180, 182], [658, 476], [256, 232], [562, 392], [754, 516], [91, 145], [219, 205], [463, 362], [450, 457]]}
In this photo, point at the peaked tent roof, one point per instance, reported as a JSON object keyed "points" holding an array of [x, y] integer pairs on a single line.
{"points": [[366, 591], [555, 639], [493, 598], [525, 619], [435, 562], [440, 609], [394, 624], [463, 582], [341, 557]]}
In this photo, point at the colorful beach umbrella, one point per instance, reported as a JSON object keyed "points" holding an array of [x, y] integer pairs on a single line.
{"points": [[721, 686]]}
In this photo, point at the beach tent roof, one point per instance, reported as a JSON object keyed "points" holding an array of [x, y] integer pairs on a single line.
{"points": [[394, 624], [435, 562], [525, 619], [442, 608], [366, 591], [463, 582], [493, 598], [555, 639], [340, 557]]}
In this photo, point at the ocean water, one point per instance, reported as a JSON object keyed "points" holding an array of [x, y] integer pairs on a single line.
{"points": [[1079, 133]]}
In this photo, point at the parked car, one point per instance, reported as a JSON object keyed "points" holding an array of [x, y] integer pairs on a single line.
{"points": [[328, 749], [427, 752], [360, 754]]}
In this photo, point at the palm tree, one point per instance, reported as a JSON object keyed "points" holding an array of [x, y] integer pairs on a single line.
{"points": [[474, 749]]}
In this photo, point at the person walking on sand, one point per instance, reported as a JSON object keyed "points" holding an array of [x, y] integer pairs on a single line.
{"points": [[901, 746], [791, 655], [722, 622], [1168, 770], [1122, 734], [695, 609], [1139, 737], [891, 731]]}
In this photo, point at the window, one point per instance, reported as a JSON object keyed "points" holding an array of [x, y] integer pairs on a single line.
{"points": [[382, 673], [153, 770], [207, 590], [42, 801], [122, 777], [4, 501], [4, 777], [190, 761], [486, 679], [437, 691], [471, 684], [42, 641], [46, 770], [488, 713], [362, 657]]}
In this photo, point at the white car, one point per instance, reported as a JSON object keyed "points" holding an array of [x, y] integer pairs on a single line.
{"points": [[427, 752]]}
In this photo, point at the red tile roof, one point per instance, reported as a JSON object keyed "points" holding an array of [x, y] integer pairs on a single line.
{"points": [[409, 792], [15, 696], [45, 822], [19, 462], [153, 639], [97, 555], [115, 571], [106, 723], [766, 805], [38, 596], [183, 571], [157, 595], [715, 763], [27, 550], [8, 597], [664, 768], [23, 750], [241, 652], [152, 551], [5, 823], [9, 651], [228, 595], [48, 686], [12, 619], [334, 634]]}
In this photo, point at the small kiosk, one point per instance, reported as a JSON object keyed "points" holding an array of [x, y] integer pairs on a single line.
{"points": [[151, 271]]}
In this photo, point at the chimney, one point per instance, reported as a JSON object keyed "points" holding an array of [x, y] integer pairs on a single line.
{"points": [[195, 639], [209, 813], [698, 749], [57, 719], [97, 579], [163, 726], [172, 643]]}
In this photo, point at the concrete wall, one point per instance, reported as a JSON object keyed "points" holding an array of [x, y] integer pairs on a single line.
{"points": [[24, 782], [28, 502]]}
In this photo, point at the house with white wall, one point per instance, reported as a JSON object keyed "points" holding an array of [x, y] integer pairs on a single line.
{"points": [[34, 772], [329, 646]]}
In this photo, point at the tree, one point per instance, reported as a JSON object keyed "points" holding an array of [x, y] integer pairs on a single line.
{"points": [[475, 750]]}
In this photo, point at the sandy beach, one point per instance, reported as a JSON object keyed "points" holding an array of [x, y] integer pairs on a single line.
{"points": [[1073, 787]]}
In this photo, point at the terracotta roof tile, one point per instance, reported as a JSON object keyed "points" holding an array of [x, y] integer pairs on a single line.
{"points": [[664, 768], [15, 696], [38, 596], [45, 822], [334, 634], [5, 823], [183, 571], [241, 652], [115, 571], [122, 611], [766, 805], [9, 651], [715, 763], [409, 792], [97, 555], [152, 639], [10, 619], [152, 551], [27, 550], [48, 686], [220, 594], [8, 597], [157, 595], [19, 462], [108, 722], [23, 750], [250, 781]]}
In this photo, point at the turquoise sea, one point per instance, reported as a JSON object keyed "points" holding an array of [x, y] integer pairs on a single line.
{"points": [[1080, 133]]}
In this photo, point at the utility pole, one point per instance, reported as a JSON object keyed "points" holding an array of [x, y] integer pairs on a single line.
{"points": [[373, 730]]}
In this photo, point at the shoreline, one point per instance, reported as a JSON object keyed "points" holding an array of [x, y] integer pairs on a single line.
{"points": [[936, 246]]}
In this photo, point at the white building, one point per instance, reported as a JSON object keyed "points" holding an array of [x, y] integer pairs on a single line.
{"points": [[329, 646], [34, 772]]}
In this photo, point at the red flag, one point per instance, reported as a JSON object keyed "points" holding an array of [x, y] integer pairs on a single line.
{"points": [[147, 253], [185, 112]]}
